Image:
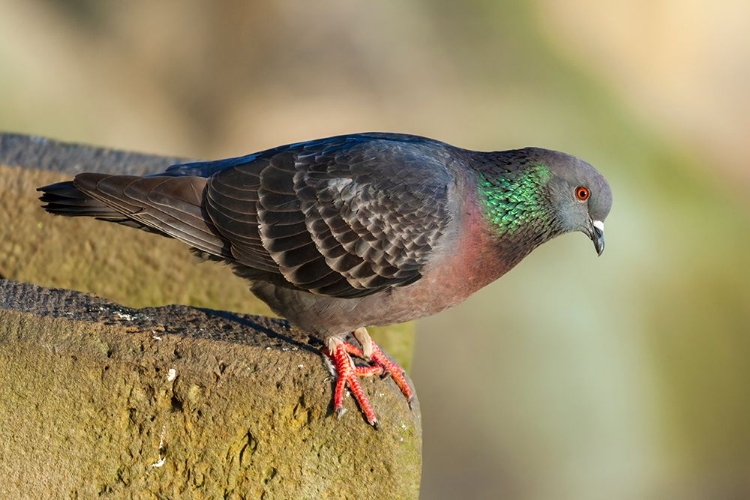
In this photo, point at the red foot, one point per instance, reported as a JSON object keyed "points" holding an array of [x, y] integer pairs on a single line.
{"points": [[395, 371], [348, 374]]}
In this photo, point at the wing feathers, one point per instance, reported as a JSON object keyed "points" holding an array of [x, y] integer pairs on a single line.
{"points": [[342, 217]]}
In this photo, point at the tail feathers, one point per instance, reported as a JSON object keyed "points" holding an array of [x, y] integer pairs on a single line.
{"points": [[171, 206], [64, 198]]}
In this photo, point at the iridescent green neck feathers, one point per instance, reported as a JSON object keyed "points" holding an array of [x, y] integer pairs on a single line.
{"points": [[515, 200]]}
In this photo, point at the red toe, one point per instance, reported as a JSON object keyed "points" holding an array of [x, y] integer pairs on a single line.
{"points": [[395, 370]]}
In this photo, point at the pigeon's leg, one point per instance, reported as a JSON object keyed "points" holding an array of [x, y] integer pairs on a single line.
{"points": [[348, 373]]}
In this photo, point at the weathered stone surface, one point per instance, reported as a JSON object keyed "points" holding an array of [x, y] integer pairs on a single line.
{"points": [[90, 407], [20, 150], [131, 267]]}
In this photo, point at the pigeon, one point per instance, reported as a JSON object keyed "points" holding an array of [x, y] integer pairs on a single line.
{"points": [[347, 232]]}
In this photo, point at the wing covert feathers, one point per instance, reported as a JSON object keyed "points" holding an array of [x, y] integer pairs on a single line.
{"points": [[340, 219]]}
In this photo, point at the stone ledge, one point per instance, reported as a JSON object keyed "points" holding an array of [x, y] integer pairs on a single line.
{"points": [[179, 402], [41, 153]]}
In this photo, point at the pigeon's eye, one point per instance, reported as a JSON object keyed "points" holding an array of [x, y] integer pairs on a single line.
{"points": [[582, 193]]}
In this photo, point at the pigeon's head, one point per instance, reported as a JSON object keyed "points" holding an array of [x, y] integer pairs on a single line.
{"points": [[580, 195]]}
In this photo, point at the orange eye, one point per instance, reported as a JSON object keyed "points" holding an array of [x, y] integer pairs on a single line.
{"points": [[582, 193]]}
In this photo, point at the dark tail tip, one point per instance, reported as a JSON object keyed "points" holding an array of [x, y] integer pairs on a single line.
{"points": [[63, 198]]}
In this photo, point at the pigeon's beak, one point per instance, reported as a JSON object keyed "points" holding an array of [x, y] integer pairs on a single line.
{"points": [[597, 235]]}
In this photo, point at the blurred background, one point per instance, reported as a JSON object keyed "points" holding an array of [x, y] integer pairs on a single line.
{"points": [[573, 377]]}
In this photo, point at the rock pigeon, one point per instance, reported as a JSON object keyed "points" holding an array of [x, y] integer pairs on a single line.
{"points": [[359, 230]]}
